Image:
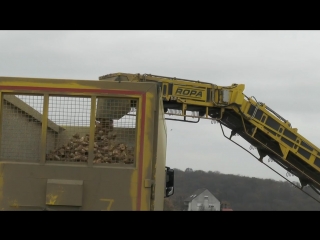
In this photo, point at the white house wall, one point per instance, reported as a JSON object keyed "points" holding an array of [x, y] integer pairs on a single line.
{"points": [[212, 200]]}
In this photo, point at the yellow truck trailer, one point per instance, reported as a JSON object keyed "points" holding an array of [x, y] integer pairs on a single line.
{"points": [[82, 145]]}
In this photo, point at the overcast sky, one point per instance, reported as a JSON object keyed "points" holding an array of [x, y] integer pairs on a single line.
{"points": [[279, 68]]}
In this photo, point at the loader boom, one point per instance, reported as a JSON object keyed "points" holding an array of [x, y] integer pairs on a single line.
{"points": [[271, 134]]}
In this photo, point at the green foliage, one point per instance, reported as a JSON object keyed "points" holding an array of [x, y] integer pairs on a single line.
{"points": [[242, 193]]}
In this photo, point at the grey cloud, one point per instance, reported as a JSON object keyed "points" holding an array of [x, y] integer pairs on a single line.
{"points": [[279, 68]]}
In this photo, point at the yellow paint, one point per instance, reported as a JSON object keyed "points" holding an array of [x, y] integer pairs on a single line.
{"points": [[14, 204], [34, 82], [148, 144], [133, 188], [147, 154], [51, 199], [1, 183], [54, 83], [109, 201], [134, 176]]}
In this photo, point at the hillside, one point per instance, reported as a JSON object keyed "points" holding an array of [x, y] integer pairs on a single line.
{"points": [[242, 193]]}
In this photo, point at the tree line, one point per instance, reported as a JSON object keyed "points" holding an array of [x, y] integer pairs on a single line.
{"points": [[242, 193]]}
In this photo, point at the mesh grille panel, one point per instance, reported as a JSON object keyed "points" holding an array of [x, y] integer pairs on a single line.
{"points": [[72, 114], [21, 127]]}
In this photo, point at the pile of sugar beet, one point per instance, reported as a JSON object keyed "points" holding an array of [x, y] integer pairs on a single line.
{"points": [[106, 148]]}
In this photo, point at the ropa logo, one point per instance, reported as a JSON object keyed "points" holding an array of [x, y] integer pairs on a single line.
{"points": [[189, 92]]}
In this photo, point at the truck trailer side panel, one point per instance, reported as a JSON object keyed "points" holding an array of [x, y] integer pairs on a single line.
{"points": [[31, 180]]}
